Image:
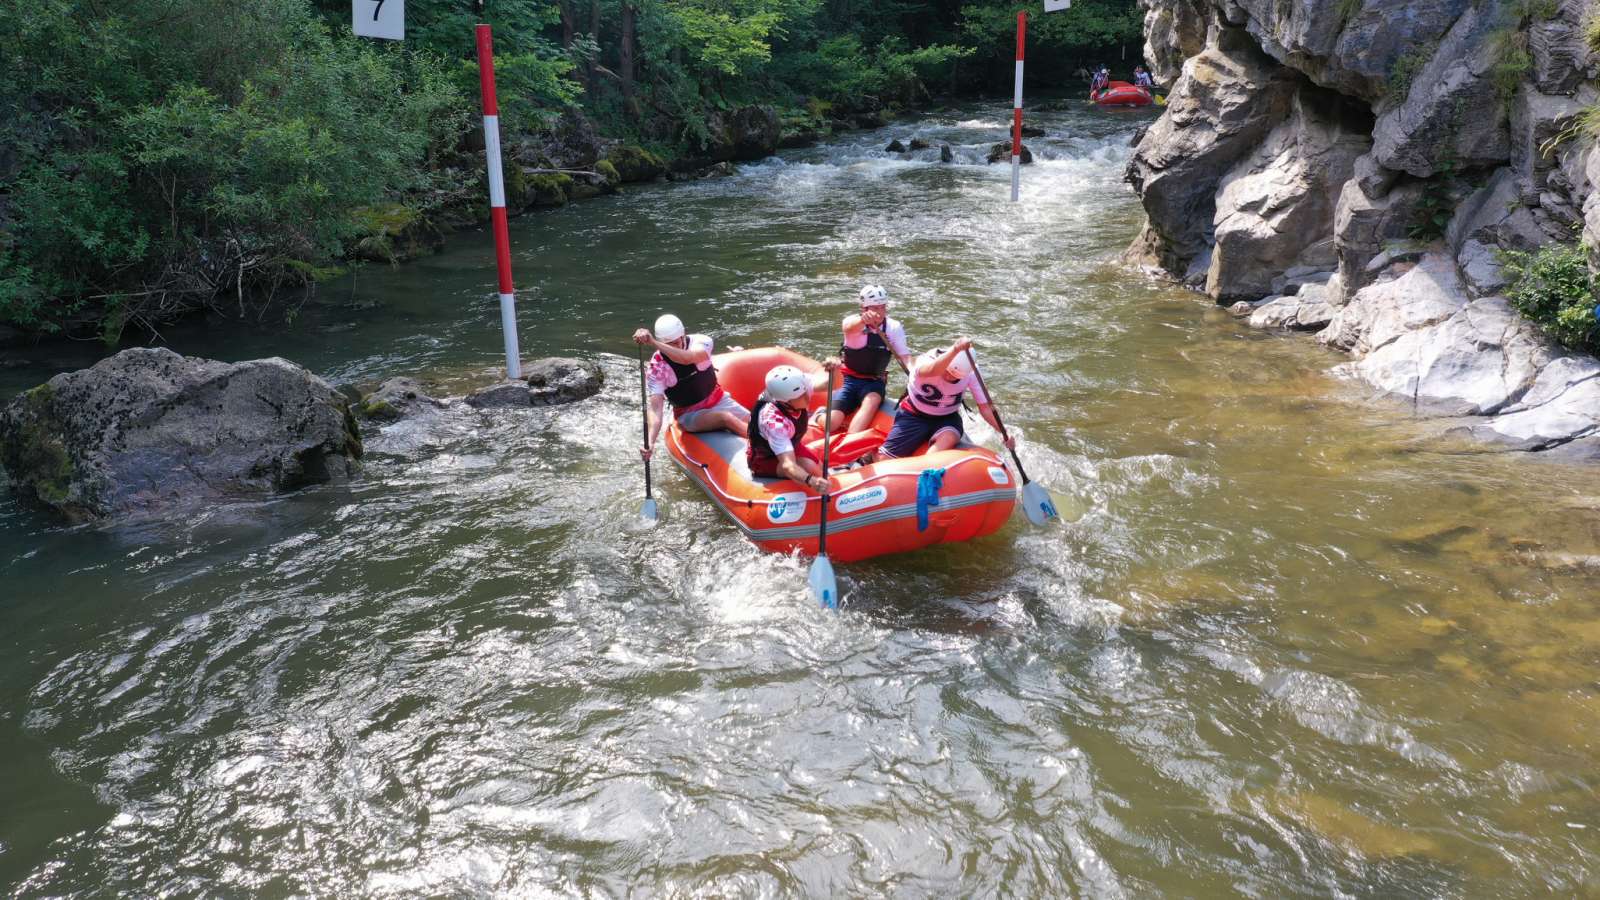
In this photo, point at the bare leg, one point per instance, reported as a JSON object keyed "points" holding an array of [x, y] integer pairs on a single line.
{"points": [[944, 440], [719, 421], [867, 412]]}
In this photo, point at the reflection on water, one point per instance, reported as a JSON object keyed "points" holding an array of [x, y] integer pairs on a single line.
{"points": [[1290, 642]]}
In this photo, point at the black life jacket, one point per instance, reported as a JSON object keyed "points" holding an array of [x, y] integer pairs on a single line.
{"points": [[760, 451], [694, 383], [870, 360]]}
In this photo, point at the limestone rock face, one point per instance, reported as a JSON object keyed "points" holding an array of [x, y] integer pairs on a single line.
{"points": [[1275, 210], [1453, 112], [148, 430], [1304, 136], [1228, 98], [1350, 47]]}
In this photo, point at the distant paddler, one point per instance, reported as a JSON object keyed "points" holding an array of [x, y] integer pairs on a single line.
{"points": [[871, 340], [681, 373]]}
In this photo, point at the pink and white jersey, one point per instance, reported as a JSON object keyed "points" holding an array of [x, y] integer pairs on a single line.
{"points": [[937, 397], [777, 429], [659, 375]]}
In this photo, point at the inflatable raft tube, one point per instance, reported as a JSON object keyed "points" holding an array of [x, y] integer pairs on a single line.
{"points": [[873, 512], [1121, 93]]}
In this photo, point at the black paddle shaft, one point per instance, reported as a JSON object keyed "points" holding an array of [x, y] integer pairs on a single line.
{"points": [[827, 418], [997, 420], [644, 414]]}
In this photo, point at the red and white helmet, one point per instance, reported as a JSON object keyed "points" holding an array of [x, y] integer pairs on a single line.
{"points": [[874, 295], [787, 384]]}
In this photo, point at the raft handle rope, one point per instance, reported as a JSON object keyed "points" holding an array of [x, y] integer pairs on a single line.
{"points": [[684, 454]]}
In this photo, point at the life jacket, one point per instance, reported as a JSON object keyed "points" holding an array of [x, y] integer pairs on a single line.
{"points": [[694, 383], [870, 360], [760, 456]]}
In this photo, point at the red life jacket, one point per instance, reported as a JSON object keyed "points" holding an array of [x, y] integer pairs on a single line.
{"points": [[760, 457]]}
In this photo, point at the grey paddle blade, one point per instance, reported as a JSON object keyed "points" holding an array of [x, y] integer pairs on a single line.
{"points": [[1036, 504], [648, 510], [823, 585]]}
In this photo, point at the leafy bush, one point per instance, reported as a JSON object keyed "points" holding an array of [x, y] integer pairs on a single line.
{"points": [[1554, 288], [1406, 68]]}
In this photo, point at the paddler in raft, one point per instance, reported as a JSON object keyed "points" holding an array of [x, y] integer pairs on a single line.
{"points": [[777, 448], [871, 339], [681, 373], [931, 410]]}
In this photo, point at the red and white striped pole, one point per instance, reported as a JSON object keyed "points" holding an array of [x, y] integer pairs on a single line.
{"points": [[1016, 111], [497, 201]]}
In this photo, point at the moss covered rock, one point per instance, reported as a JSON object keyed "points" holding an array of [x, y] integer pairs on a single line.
{"points": [[634, 164], [394, 232], [147, 430]]}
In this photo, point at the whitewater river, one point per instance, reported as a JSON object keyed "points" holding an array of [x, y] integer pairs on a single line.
{"points": [[1289, 644]]}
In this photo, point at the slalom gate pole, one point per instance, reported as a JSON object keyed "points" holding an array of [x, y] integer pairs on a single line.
{"points": [[497, 200], [1016, 111]]}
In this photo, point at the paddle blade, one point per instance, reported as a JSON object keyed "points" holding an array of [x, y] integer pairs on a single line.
{"points": [[1036, 504], [648, 510], [823, 585]]}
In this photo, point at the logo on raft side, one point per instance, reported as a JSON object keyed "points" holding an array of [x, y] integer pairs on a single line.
{"points": [[999, 475], [862, 499], [786, 508]]}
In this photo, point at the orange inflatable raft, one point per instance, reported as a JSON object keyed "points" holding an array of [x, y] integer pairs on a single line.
{"points": [[1121, 93], [874, 508]]}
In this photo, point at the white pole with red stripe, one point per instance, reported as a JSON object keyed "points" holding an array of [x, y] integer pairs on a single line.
{"points": [[1016, 111], [497, 201]]}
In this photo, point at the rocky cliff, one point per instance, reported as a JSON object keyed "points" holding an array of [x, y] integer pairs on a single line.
{"points": [[1359, 167]]}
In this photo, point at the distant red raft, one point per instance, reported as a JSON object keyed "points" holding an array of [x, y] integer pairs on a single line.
{"points": [[1121, 93], [874, 509]]}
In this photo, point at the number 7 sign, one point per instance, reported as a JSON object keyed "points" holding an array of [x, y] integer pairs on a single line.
{"points": [[1057, 5], [379, 18]]}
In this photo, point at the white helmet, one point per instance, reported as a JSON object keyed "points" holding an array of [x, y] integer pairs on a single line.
{"points": [[874, 295], [786, 383], [669, 328], [961, 366]]}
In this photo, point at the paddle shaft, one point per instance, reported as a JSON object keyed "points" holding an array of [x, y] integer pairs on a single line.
{"points": [[822, 532], [644, 415], [997, 420]]}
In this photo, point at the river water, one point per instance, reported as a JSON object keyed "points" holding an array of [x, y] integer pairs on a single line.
{"points": [[1291, 642]]}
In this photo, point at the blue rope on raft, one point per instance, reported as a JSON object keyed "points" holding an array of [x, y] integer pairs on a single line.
{"points": [[928, 484]]}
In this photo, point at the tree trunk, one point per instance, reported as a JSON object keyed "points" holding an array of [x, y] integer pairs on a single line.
{"points": [[568, 26], [625, 53], [594, 33]]}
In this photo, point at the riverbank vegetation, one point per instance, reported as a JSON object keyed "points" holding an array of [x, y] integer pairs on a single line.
{"points": [[170, 155]]}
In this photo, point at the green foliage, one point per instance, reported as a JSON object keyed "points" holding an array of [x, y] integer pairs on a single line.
{"points": [[1405, 71], [1437, 204], [1554, 288]]}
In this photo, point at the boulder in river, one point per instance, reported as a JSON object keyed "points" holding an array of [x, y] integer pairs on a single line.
{"points": [[546, 382], [946, 155], [895, 147], [149, 429], [557, 380], [917, 144]]}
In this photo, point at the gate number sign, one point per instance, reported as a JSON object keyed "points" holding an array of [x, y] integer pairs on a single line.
{"points": [[1057, 5], [379, 18]]}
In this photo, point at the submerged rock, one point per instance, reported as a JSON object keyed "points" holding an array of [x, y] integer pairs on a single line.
{"points": [[396, 399], [1002, 153], [504, 395], [946, 155], [148, 429], [895, 147]]}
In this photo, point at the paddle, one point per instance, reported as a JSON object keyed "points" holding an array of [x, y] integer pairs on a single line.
{"points": [[1036, 503], [823, 585], [648, 510]]}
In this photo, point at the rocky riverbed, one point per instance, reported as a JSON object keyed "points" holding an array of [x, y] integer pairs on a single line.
{"points": [[1302, 144]]}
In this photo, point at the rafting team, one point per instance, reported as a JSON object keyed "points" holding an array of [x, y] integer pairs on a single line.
{"points": [[681, 373]]}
